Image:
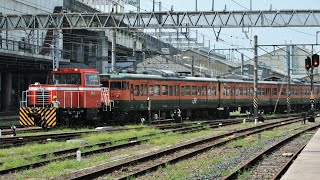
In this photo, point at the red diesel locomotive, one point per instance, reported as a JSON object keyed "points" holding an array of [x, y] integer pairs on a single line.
{"points": [[83, 96]]}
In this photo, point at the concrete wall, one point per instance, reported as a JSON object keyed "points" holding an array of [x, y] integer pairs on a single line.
{"points": [[216, 65], [34, 38], [277, 59]]}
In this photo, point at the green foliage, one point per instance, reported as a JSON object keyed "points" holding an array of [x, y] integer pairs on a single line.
{"points": [[244, 176]]}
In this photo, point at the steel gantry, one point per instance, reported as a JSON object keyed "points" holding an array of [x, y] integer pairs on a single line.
{"points": [[166, 20]]}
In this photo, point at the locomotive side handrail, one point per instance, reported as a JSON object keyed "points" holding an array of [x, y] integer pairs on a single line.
{"points": [[24, 101], [105, 95], [71, 100]]}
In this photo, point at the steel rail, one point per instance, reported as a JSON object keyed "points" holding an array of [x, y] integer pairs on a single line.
{"points": [[98, 172], [254, 160], [132, 141]]}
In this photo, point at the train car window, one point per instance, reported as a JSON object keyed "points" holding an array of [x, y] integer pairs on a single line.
{"points": [[182, 90], [244, 91], [237, 91], [119, 85], [171, 90], [164, 90], [187, 90], [214, 91], [90, 79], [259, 91], [269, 91], [141, 89], [263, 91], [275, 92], [115, 85], [131, 89], [151, 90], [204, 90], [194, 90], [199, 90], [175, 90], [209, 91], [178, 90], [251, 91], [229, 91], [241, 91], [145, 90], [224, 91], [136, 90], [157, 90]]}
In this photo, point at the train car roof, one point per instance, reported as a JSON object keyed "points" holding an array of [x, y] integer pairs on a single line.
{"points": [[186, 78], [159, 77]]}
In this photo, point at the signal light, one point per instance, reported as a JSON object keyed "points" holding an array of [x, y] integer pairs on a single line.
{"points": [[315, 60], [308, 63]]}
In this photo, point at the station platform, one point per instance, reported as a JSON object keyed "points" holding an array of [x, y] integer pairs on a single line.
{"points": [[307, 164]]}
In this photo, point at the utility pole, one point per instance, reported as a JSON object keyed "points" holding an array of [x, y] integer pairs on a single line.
{"points": [[255, 94], [139, 6], [311, 93], [192, 66], [289, 79], [153, 5], [212, 5], [242, 63], [113, 51], [196, 5], [55, 54]]}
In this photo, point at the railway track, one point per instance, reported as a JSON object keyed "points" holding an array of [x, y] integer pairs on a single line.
{"points": [[108, 146], [272, 162], [150, 162], [7, 142]]}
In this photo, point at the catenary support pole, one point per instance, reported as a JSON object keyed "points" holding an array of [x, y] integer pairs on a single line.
{"points": [[113, 51], [242, 63], [255, 93], [289, 79]]}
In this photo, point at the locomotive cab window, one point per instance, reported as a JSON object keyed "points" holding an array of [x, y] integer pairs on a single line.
{"points": [[69, 78], [92, 80]]}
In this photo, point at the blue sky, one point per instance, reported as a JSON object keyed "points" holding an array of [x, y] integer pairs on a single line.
{"points": [[236, 36]]}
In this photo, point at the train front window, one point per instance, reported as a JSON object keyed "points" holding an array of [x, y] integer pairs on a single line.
{"points": [[70, 78], [119, 85]]}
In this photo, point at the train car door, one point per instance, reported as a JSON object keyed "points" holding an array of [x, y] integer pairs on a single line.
{"points": [[131, 94], [177, 94], [233, 94]]}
